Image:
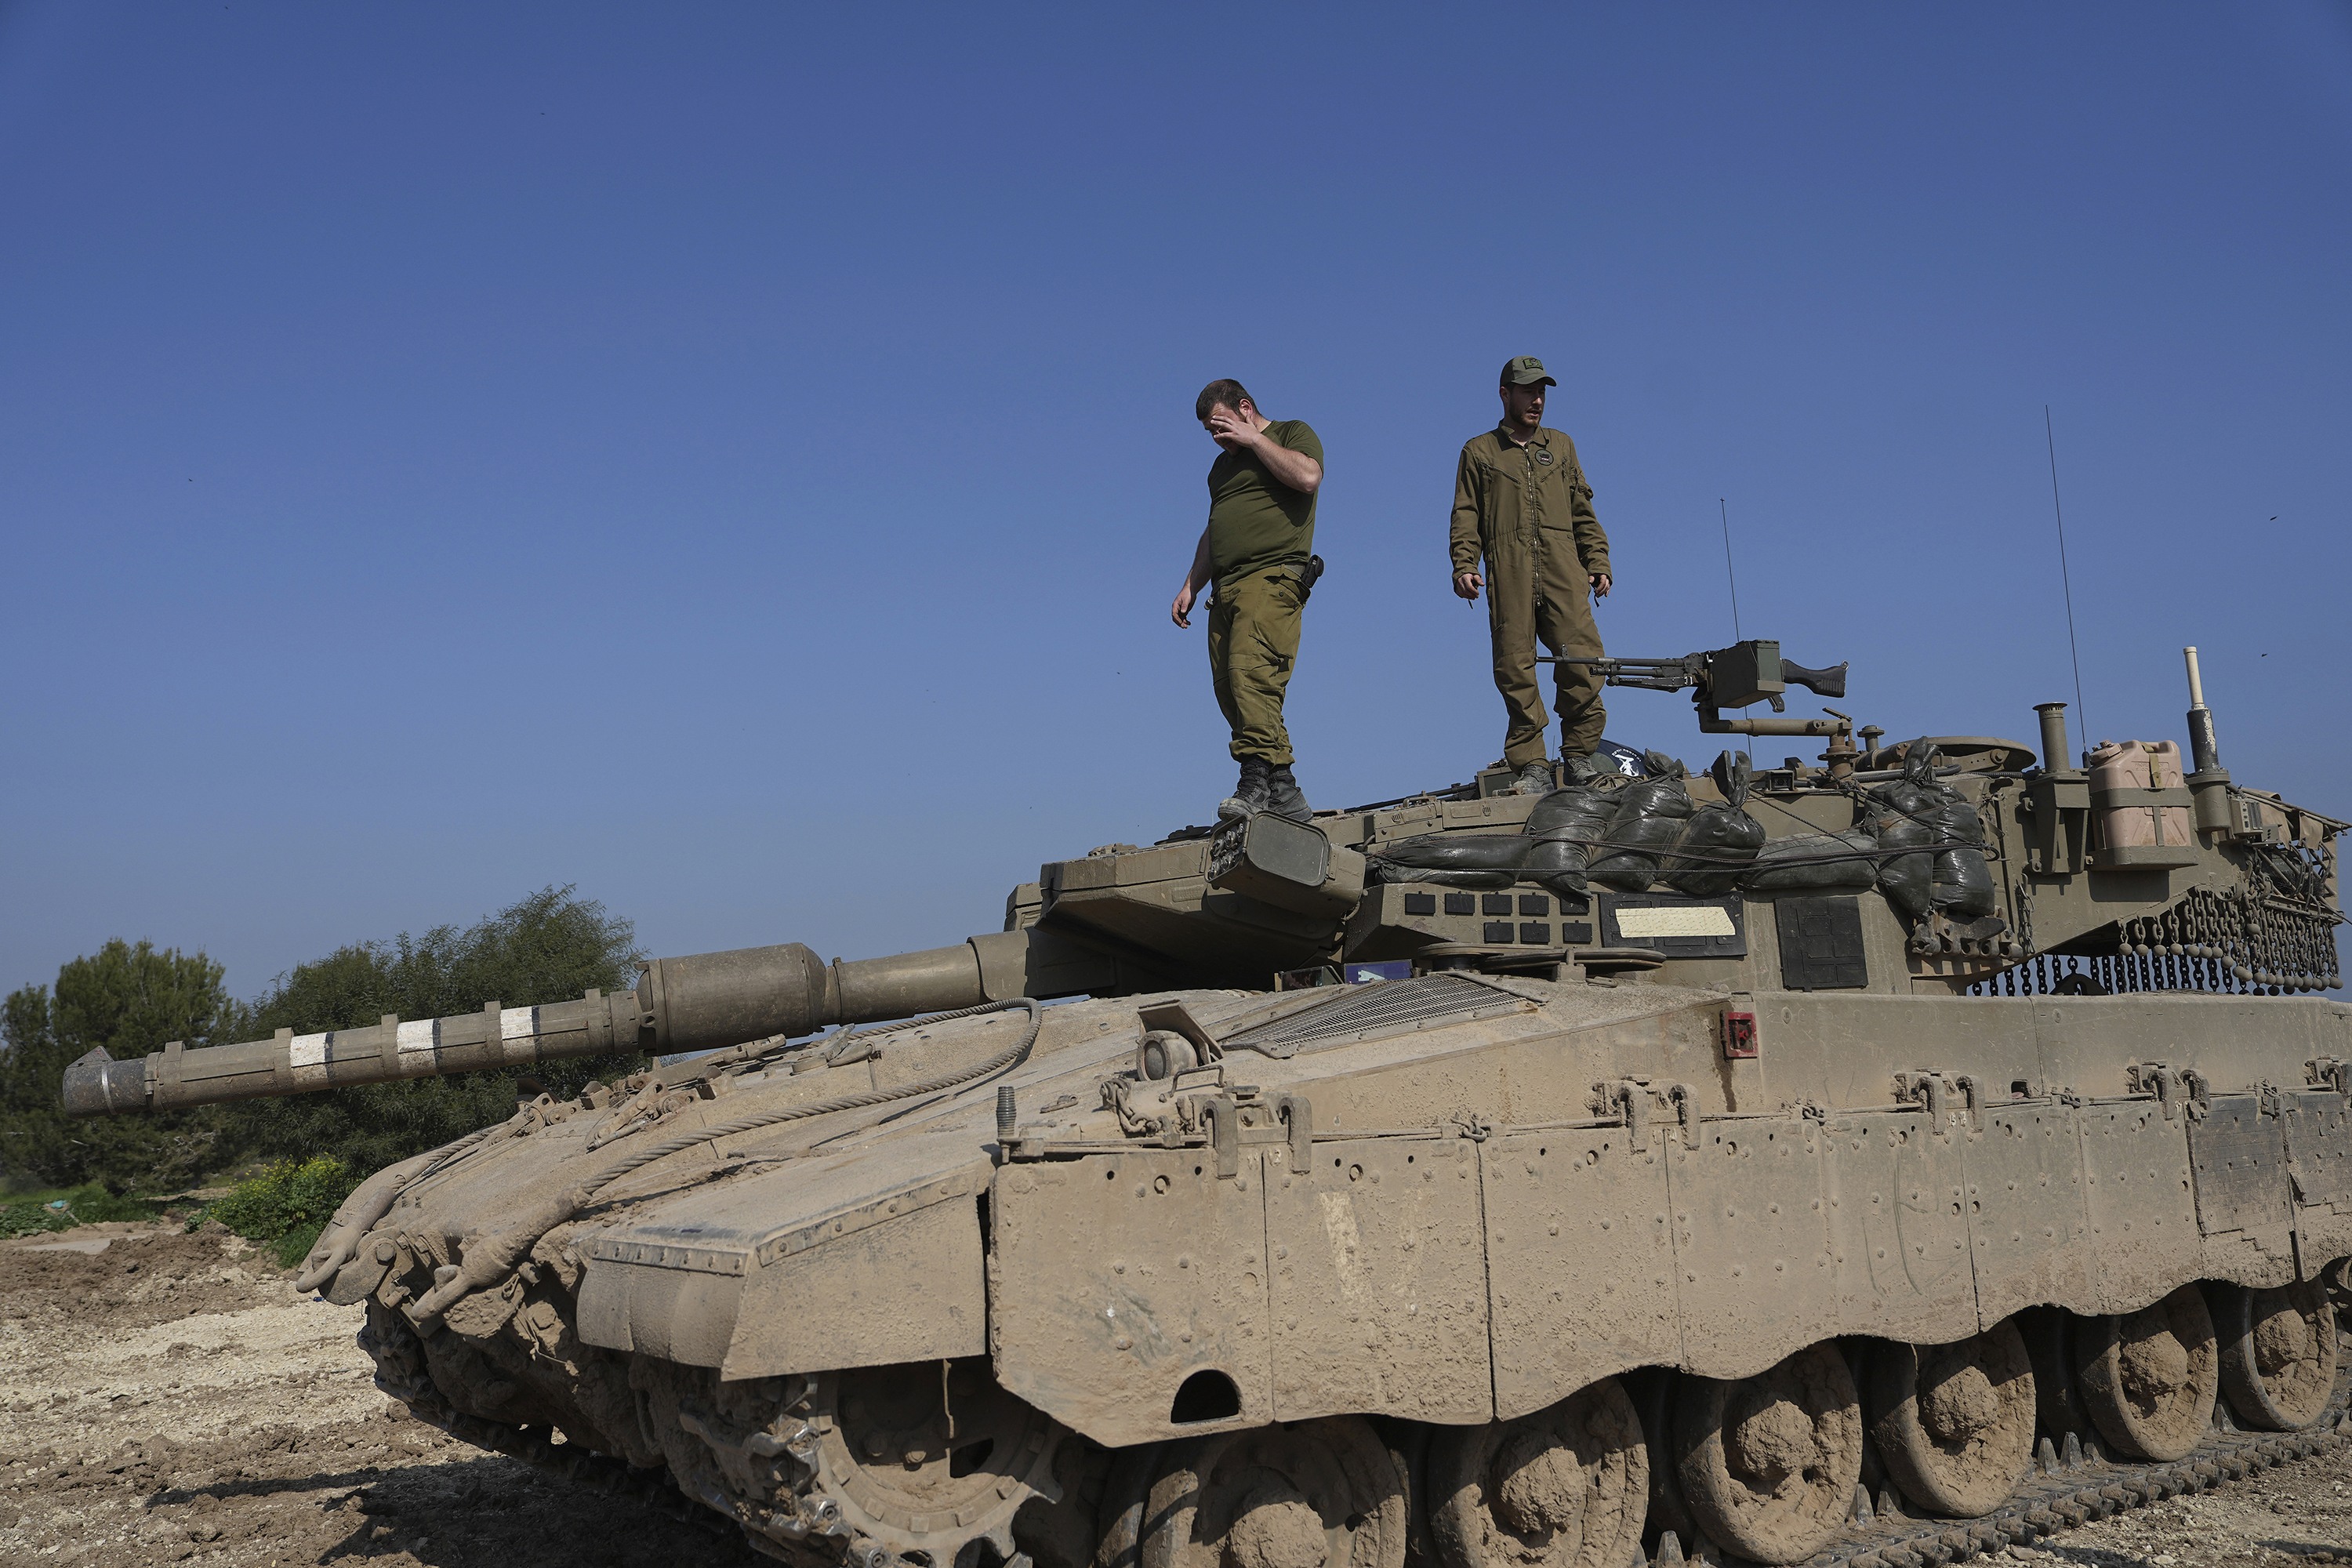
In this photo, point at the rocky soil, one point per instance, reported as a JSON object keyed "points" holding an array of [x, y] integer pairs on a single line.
{"points": [[168, 1398]]}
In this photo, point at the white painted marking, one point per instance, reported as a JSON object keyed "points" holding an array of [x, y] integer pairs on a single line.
{"points": [[418, 1042], [517, 1034], [1705, 920], [307, 1055]]}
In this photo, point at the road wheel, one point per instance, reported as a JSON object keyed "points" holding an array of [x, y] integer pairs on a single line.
{"points": [[1309, 1494], [1568, 1487], [1954, 1424], [1768, 1463], [2147, 1379], [2278, 1353]]}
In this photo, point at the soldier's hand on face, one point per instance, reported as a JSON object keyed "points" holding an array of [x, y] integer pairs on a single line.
{"points": [[1466, 585], [1600, 584], [1183, 607], [1230, 430]]}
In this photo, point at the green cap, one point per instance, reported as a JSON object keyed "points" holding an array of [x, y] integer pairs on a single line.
{"points": [[1526, 371]]}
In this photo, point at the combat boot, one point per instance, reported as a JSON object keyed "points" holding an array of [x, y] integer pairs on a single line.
{"points": [[1284, 798], [1582, 770], [1534, 778], [1249, 797]]}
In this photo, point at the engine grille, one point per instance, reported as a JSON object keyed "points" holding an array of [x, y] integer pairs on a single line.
{"points": [[1378, 1008]]}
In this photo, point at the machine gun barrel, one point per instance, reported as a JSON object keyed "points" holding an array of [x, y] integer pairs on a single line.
{"points": [[1651, 674], [1734, 677], [694, 1004]]}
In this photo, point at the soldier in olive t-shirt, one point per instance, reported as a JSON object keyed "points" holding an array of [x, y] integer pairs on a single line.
{"points": [[1256, 550]]}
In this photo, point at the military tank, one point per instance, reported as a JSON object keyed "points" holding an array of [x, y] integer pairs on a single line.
{"points": [[1873, 1159]]}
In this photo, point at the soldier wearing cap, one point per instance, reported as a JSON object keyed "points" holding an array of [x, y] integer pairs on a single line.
{"points": [[1258, 549], [1521, 500]]}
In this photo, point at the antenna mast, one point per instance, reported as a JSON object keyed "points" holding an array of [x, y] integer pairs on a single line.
{"points": [[1725, 514], [2050, 431]]}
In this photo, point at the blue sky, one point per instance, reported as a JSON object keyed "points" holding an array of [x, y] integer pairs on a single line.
{"points": [[737, 458]]}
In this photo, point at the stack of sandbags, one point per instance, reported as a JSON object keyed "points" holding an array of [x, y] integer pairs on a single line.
{"points": [[1936, 838], [1643, 830], [1564, 826], [1816, 863], [1717, 842], [1450, 861]]}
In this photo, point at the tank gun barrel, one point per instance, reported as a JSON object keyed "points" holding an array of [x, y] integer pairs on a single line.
{"points": [[698, 1003]]}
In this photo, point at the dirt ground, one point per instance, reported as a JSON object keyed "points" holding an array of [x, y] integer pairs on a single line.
{"points": [[171, 1399], [168, 1398]]}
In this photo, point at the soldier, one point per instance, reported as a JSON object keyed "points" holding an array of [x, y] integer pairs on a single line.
{"points": [[1520, 498], [1258, 549]]}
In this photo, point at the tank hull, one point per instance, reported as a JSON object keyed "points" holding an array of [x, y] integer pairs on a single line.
{"points": [[1452, 1203]]}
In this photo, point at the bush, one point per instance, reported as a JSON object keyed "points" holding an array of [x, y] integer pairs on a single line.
{"points": [[548, 947], [286, 1206], [30, 1219], [131, 999], [92, 1204]]}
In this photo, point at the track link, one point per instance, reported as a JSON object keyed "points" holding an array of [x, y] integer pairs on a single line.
{"points": [[401, 1374], [769, 1480], [2066, 1490]]}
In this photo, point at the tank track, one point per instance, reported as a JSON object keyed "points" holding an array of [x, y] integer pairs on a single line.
{"points": [[767, 1480], [401, 1374], [2065, 1489]]}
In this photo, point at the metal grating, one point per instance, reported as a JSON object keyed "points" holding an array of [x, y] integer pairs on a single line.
{"points": [[1386, 1005]]}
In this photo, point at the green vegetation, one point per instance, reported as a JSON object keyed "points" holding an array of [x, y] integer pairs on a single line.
{"points": [[29, 1213], [286, 1206], [549, 946], [130, 1000]]}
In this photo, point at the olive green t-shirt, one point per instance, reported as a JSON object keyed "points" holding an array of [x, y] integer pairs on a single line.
{"points": [[1254, 519]]}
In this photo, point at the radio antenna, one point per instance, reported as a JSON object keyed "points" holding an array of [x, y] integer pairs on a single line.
{"points": [[2050, 431], [1725, 513]]}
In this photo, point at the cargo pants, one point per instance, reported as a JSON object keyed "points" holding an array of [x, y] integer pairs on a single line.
{"points": [[1253, 645], [1541, 591]]}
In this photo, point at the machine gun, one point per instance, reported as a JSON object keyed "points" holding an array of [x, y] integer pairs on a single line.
{"points": [[1735, 677]]}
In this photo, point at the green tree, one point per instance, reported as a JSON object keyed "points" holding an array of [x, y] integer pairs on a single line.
{"points": [[130, 1000], [548, 947]]}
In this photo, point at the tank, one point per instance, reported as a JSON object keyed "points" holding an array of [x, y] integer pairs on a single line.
{"points": [[1871, 1158]]}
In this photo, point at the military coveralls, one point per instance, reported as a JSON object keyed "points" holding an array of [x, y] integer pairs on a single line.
{"points": [[1529, 511], [1261, 534]]}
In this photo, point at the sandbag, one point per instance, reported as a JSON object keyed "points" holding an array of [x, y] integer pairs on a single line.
{"points": [[1644, 828], [1491, 880], [1558, 865], [1580, 810], [1908, 880], [1815, 863], [1564, 825], [1718, 840], [1914, 812], [1451, 860], [1964, 884]]}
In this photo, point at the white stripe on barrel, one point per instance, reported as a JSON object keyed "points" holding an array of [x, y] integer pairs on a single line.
{"points": [[519, 1024], [418, 1042], [307, 1055]]}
